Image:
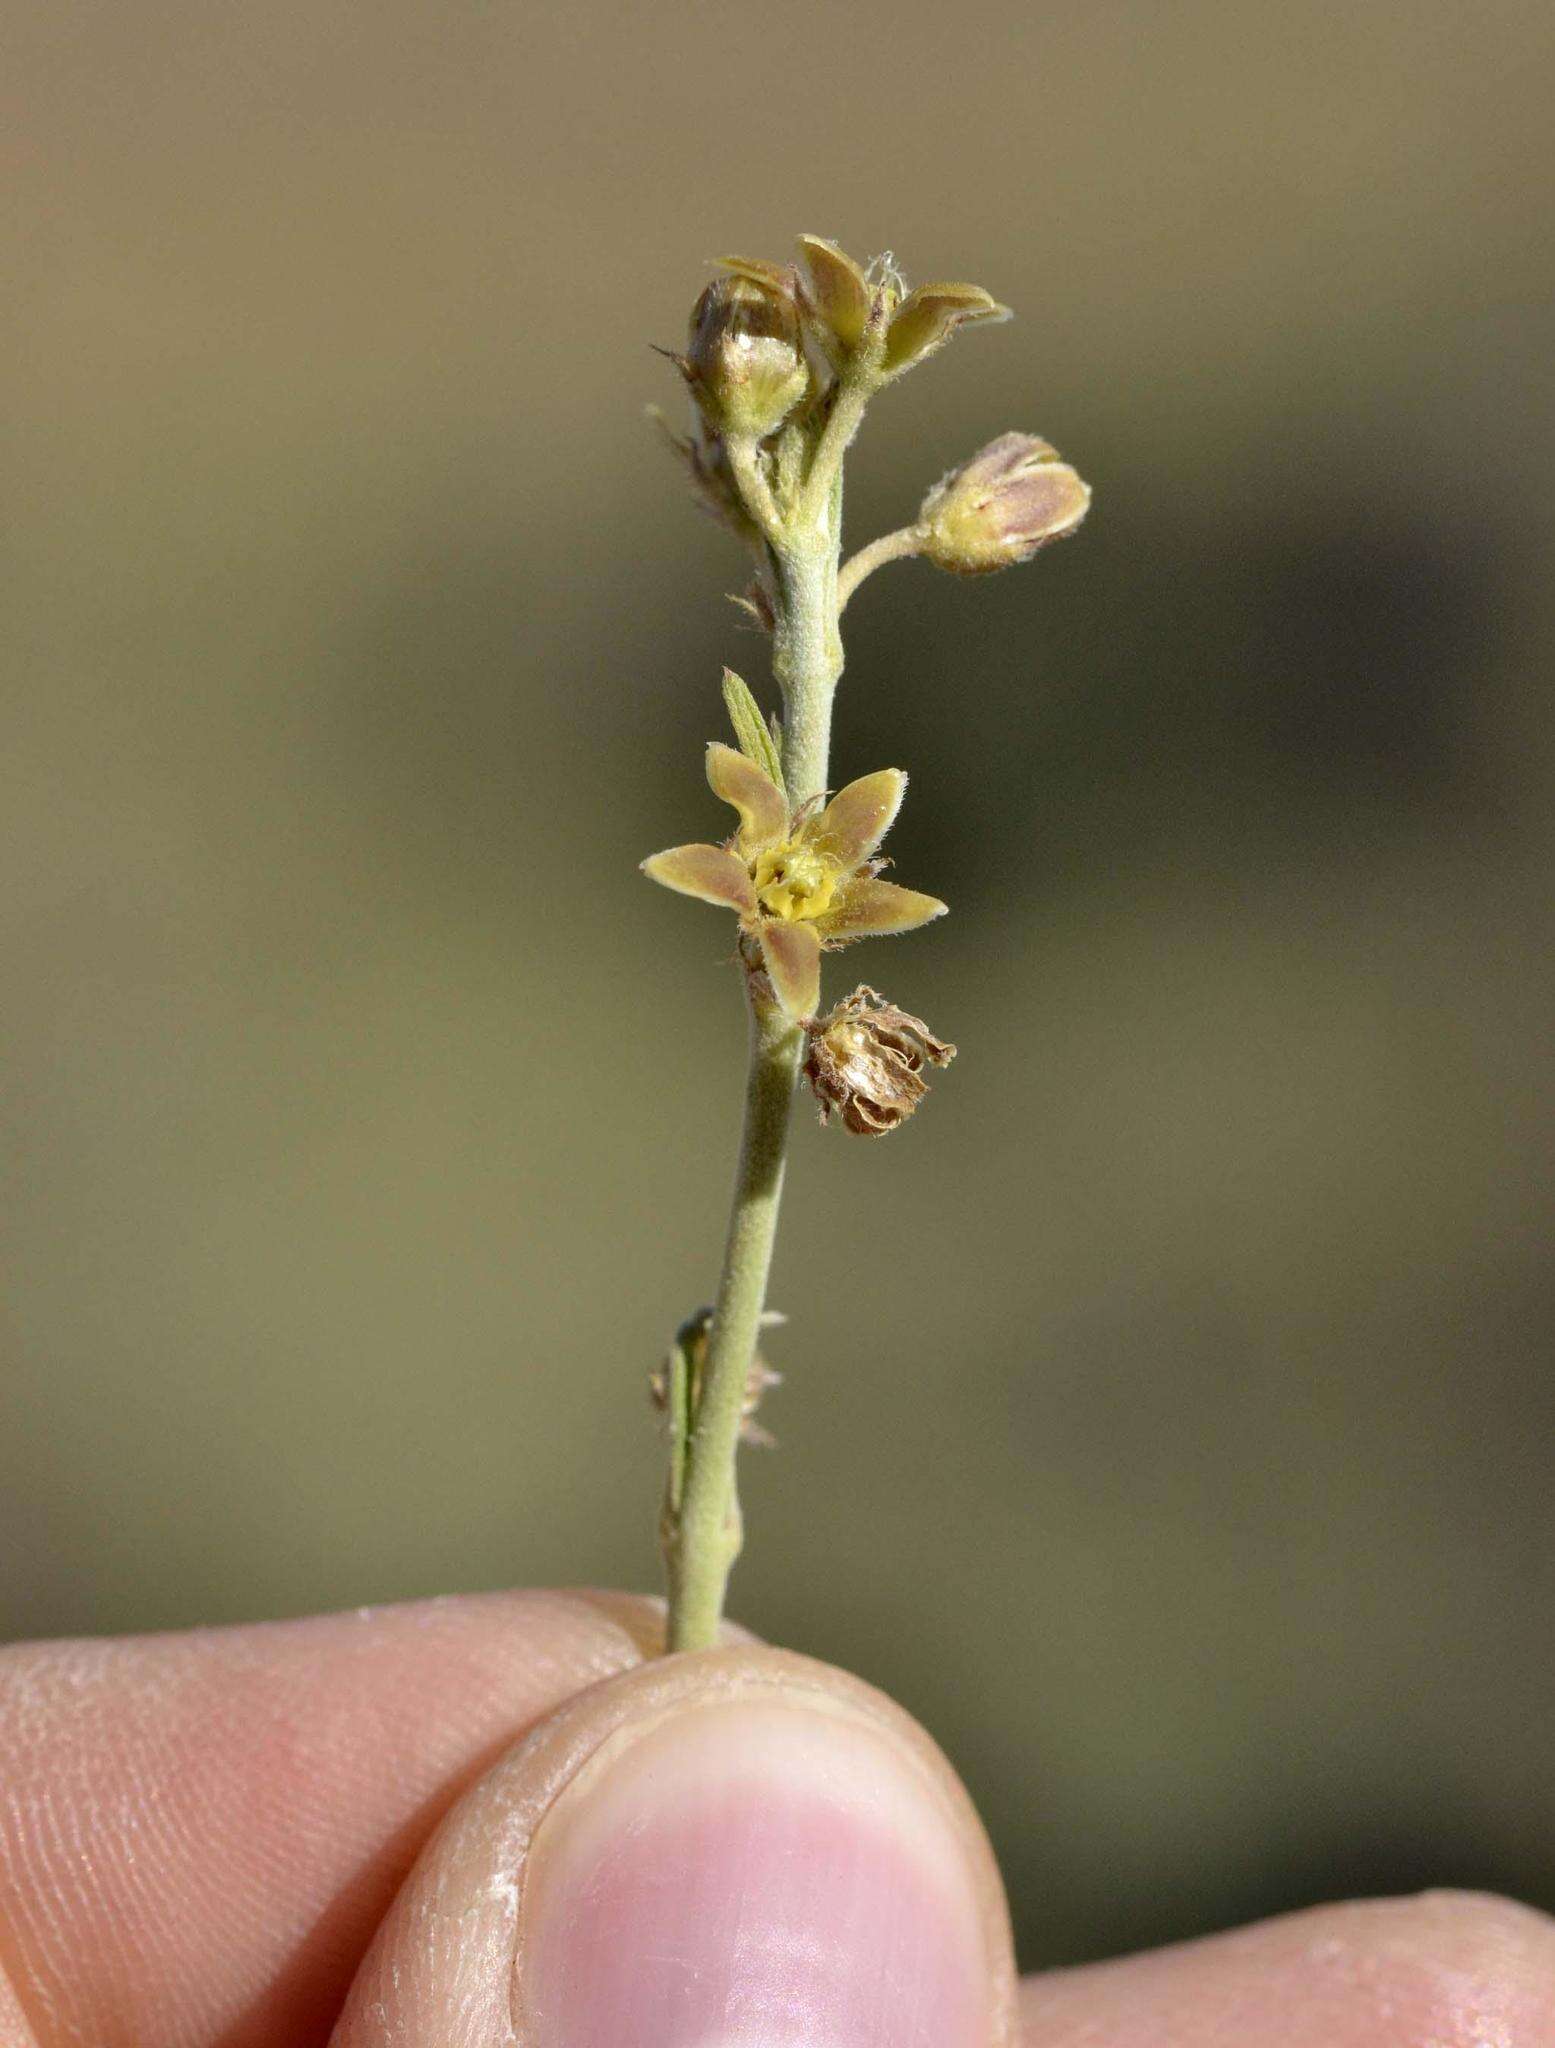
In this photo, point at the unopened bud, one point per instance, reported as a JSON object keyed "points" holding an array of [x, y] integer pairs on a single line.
{"points": [[745, 361], [1012, 498], [866, 1060]]}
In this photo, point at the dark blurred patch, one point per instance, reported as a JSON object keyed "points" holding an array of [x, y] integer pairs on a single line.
{"points": [[1367, 636], [1370, 1851], [1376, 1850]]}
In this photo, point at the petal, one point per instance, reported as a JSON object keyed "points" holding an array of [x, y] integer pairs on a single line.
{"points": [[792, 953], [757, 798], [838, 288], [859, 817], [773, 277], [710, 873], [865, 906], [930, 315]]}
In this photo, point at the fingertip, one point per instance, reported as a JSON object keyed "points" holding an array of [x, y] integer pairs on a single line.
{"points": [[741, 1846], [254, 1796], [1454, 1969]]}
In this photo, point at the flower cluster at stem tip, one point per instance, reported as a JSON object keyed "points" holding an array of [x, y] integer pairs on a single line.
{"points": [[779, 361]]}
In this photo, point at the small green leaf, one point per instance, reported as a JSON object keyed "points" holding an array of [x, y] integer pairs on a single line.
{"points": [[750, 728], [679, 1387]]}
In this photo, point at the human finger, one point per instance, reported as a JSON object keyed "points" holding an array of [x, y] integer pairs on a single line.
{"points": [[739, 1846], [1445, 1970], [200, 1832]]}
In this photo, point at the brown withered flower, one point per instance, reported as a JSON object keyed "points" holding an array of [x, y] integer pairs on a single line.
{"points": [[866, 1060], [1011, 498], [798, 880]]}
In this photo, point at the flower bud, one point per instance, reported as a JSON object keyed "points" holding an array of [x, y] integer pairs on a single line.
{"points": [[745, 361], [1012, 498], [866, 1059]]}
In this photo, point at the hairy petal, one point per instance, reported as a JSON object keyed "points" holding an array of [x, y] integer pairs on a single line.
{"points": [[859, 817], [929, 316], [838, 288], [792, 953], [753, 793], [775, 277], [865, 906], [710, 873]]}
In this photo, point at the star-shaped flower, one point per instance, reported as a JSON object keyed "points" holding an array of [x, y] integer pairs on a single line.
{"points": [[798, 881]]}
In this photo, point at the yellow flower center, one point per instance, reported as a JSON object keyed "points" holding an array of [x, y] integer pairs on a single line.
{"points": [[795, 881]]}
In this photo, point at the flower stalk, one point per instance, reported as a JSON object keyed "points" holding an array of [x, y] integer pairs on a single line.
{"points": [[781, 363], [703, 1539]]}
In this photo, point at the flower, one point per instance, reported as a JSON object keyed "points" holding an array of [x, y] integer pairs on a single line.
{"points": [[798, 880], [745, 360], [866, 1061], [1011, 498], [857, 311]]}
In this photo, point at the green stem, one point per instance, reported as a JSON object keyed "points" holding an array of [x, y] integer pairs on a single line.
{"points": [[807, 660], [703, 1539], [706, 1539], [842, 423], [900, 546], [756, 492]]}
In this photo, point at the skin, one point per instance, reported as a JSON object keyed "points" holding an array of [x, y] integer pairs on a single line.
{"points": [[207, 1840]]}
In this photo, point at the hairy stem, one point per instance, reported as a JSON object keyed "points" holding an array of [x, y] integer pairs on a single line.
{"points": [[900, 546], [852, 394], [706, 1539], [745, 462], [703, 1540], [807, 658]]}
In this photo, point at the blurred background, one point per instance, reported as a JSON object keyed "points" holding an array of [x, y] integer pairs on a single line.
{"points": [[1169, 1412]]}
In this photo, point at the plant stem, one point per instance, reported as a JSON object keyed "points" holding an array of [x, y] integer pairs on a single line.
{"points": [[807, 657], [704, 1539], [745, 461], [852, 394], [900, 546]]}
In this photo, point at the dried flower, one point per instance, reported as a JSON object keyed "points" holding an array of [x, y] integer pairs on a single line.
{"points": [[866, 1059], [1012, 498], [798, 880], [745, 360]]}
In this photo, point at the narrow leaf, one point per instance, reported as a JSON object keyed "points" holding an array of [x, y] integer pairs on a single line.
{"points": [[750, 728], [678, 1388]]}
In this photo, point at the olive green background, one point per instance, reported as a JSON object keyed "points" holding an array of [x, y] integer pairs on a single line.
{"points": [[1169, 1411]]}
